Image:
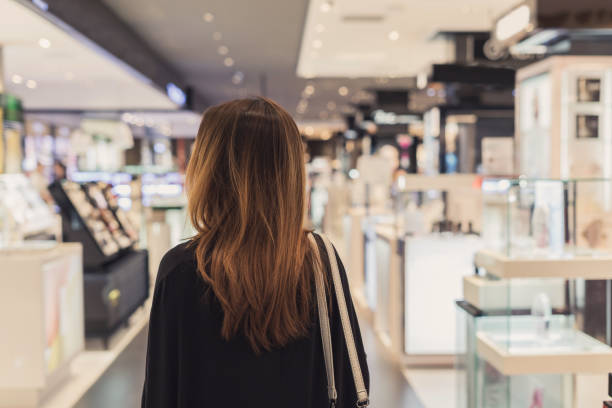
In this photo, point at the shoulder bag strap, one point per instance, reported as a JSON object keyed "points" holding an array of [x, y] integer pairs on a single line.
{"points": [[324, 322], [362, 393]]}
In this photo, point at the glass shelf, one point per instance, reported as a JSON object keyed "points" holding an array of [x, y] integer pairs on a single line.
{"points": [[522, 350]]}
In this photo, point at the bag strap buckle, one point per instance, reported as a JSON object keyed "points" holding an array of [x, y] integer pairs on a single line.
{"points": [[363, 403]]}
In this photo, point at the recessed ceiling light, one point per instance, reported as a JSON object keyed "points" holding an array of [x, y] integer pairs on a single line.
{"points": [[317, 43], [319, 28], [343, 91], [309, 90], [217, 36], [208, 17], [229, 61], [237, 78], [44, 43], [302, 106], [69, 76], [309, 130], [30, 83], [17, 79], [394, 35], [326, 7], [331, 105], [223, 50]]}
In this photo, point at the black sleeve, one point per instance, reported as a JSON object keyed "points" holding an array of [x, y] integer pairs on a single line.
{"points": [[160, 387], [345, 384]]}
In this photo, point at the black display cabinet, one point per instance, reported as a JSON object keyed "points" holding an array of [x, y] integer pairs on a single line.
{"points": [[116, 275]]}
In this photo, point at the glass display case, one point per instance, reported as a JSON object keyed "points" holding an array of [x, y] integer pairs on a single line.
{"points": [[538, 311], [23, 213]]}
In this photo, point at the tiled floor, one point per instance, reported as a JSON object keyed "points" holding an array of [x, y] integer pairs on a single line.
{"points": [[121, 385]]}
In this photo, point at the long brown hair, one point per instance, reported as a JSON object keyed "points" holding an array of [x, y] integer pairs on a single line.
{"points": [[246, 198]]}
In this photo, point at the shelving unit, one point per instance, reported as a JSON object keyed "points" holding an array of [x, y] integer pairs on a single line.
{"points": [[570, 351], [598, 265]]}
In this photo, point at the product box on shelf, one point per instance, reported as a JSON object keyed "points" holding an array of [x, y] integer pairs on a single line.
{"points": [[536, 315]]}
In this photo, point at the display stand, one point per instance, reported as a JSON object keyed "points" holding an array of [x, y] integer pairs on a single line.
{"points": [[116, 276], [41, 310], [536, 316]]}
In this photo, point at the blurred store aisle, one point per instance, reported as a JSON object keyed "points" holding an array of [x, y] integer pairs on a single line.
{"points": [[121, 385]]}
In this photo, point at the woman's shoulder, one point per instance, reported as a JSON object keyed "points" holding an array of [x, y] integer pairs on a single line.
{"points": [[179, 259]]}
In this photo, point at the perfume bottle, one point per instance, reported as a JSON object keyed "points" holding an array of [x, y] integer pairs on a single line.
{"points": [[542, 313]]}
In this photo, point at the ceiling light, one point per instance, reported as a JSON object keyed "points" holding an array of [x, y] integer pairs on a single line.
{"points": [[326, 7], [331, 105], [69, 76], [217, 36], [237, 78], [317, 43], [301, 110], [319, 28], [309, 131], [229, 61], [393, 35], [343, 91], [208, 17], [30, 83], [513, 23], [309, 90], [17, 79], [326, 135], [223, 50], [44, 43]]}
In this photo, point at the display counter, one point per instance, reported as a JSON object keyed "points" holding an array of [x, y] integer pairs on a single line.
{"points": [[434, 267], [41, 310], [537, 315], [416, 280]]}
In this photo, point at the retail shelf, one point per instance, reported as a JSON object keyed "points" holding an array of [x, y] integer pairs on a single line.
{"points": [[595, 266], [487, 294], [565, 351], [444, 182]]}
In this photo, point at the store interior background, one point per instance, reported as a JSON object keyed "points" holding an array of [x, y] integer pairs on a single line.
{"points": [[459, 155]]}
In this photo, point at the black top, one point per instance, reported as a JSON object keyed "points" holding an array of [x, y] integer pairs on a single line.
{"points": [[189, 364]]}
